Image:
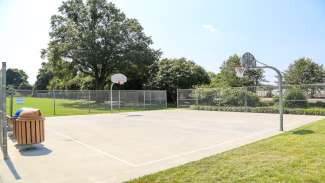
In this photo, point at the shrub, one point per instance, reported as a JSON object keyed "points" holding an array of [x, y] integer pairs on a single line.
{"points": [[238, 97], [309, 111], [295, 98], [206, 96], [266, 103], [275, 99], [317, 104]]}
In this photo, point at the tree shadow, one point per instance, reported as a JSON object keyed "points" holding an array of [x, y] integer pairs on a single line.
{"points": [[303, 132], [134, 115], [33, 150], [84, 105]]}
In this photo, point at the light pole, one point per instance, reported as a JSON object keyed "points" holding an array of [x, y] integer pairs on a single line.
{"points": [[248, 62]]}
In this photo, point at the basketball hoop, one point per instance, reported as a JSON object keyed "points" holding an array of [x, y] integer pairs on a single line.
{"points": [[248, 60], [240, 70], [118, 78]]}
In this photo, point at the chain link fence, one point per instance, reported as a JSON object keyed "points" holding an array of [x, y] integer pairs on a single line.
{"points": [[298, 99], [73, 102]]}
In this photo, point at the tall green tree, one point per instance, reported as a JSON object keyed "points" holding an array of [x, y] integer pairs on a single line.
{"points": [[227, 75], [61, 75], [65, 76], [44, 76], [99, 40], [17, 78], [304, 71], [171, 74]]}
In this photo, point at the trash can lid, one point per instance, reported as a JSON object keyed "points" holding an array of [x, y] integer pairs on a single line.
{"points": [[17, 113], [30, 113]]}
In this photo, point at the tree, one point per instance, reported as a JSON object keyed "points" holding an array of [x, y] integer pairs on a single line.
{"points": [[304, 71], [99, 40], [61, 75], [171, 74], [17, 79], [295, 98], [65, 76], [44, 76], [227, 75]]}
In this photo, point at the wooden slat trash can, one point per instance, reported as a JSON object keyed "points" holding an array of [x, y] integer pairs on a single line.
{"points": [[28, 128]]}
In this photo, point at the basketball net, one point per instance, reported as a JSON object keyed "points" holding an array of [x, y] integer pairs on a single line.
{"points": [[240, 70], [120, 83]]}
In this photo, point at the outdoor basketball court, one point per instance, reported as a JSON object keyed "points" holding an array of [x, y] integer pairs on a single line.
{"points": [[117, 147]]}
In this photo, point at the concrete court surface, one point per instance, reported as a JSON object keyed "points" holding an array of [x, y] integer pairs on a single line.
{"points": [[107, 148]]}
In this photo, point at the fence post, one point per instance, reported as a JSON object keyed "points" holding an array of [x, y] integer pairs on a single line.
{"points": [[197, 97], [177, 98], [112, 97], [89, 101], [245, 93], [144, 99], [119, 100], [166, 99], [215, 97], [108, 93], [3, 112], [1, 118], [54, 110], [150, 96], [218, 96], [11, 103]]}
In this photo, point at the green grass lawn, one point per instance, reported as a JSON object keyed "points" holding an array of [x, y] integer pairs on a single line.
{"points": [[295, 156], [65, 106]]}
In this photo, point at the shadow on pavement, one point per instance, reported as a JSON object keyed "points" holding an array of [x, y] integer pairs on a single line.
{"points": [[35, 150], [12, 168]]}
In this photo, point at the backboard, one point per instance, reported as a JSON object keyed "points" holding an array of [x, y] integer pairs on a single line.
{"points": [[248, 60], [118, 78]]}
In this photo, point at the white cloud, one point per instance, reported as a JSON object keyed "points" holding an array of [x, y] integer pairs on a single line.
{"points": [[209, 28]]}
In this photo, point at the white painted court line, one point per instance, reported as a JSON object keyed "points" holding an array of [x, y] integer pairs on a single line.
{"points": [[273, 131], [206, 148], [257, 134], [92, 148]]}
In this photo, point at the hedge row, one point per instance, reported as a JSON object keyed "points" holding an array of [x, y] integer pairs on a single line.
{"points": [[301, 111]]}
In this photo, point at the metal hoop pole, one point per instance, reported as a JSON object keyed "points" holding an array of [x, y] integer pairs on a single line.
{"points": [[112, 96], [280, 85]]}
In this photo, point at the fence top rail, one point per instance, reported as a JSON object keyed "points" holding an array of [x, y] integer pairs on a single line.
{"points": [[18, 90], [256, 86]]}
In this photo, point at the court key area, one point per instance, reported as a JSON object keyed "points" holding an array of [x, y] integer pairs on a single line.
{"points": [[105, 148]]}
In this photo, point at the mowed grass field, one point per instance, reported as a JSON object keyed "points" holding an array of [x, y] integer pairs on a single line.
{"points": [[64, 106], [294, 156]]}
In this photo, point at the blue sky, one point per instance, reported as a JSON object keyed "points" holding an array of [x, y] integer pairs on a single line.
{"points": [[207, 31]]}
